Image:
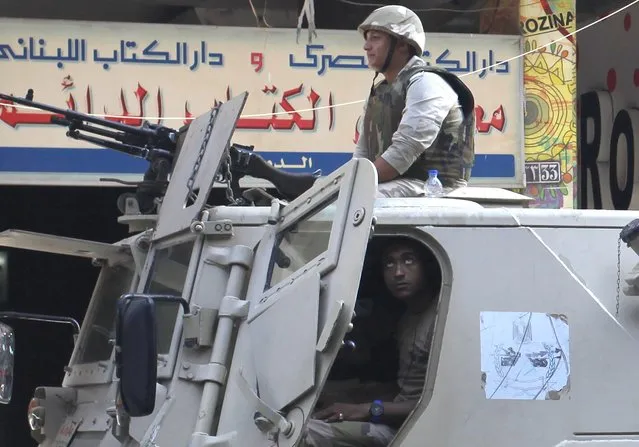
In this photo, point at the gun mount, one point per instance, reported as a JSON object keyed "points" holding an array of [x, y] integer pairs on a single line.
{"points": [[161, 146]]}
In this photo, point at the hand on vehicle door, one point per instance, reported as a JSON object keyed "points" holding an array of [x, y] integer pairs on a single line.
{"points": [[339, 412]]}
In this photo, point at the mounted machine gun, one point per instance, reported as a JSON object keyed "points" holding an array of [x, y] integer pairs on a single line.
{"points": [[160, 146]]}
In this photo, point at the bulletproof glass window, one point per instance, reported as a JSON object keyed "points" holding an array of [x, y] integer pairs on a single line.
{"points": [[167, 277], [300, 243], [114, 281]]}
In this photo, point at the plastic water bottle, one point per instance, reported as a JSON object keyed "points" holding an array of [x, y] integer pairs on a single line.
{"points": [[433, 187]]}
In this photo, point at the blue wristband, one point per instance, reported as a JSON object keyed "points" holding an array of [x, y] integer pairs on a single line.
{"points": [[376, 410]]}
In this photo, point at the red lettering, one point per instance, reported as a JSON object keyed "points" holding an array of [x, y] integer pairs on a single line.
{"points": [[257, 59]]}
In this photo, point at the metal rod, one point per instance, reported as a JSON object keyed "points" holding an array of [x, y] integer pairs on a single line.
{"points": [[126, 148], [40, 317], [70, 114], [219, 353]]}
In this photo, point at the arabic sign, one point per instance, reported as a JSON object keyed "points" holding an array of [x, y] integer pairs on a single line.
{"points": [[170, 74]]}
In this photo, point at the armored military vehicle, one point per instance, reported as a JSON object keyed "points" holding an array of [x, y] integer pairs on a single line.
{"points": [[221, 324]]}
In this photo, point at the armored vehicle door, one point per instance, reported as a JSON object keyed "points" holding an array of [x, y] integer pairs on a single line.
{"points": [[90, 361], [302, 293]]}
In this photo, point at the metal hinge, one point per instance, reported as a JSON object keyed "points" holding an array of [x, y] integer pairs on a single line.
{"points": [[211, 372], [222, 228]]}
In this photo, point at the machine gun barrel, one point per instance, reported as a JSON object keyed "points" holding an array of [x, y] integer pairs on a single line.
{"points": [[126, 148], [72, 115], [143, 141]]}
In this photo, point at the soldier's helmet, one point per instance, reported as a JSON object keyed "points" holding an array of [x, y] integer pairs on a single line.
{"points": [[398, 21]]}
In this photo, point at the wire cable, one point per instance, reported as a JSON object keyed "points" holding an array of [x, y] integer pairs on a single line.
{"points": [[461, 11]]}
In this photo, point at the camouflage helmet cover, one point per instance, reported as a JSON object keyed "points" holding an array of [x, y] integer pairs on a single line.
{"points": [[398, 21]]}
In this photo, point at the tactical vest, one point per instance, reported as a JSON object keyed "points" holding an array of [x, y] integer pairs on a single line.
{"points": [[453, 151]]}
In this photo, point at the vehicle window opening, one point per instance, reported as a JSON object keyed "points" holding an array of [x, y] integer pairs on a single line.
{"points": [[97, 346], [299, 244], [168, 277], [392, 338]]}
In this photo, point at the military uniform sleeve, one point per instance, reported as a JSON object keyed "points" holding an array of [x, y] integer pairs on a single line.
{"points": [[415, 336], [361, 151], [429, 99]]}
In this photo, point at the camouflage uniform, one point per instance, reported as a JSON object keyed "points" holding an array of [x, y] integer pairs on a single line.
{"points": [[414, 337], [451, 152]]}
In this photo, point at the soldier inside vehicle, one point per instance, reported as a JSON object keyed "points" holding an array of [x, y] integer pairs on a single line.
{"points": [[373, 388]]}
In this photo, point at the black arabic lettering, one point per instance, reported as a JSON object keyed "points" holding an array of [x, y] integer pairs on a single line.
{"points": [[105, 60], [199, 56], [76, 51], [341, 61], [442, 61], [471, 65], [36, 50], [164, 56], [150, 55], [291, 58], [327, 60], [6, 52]]}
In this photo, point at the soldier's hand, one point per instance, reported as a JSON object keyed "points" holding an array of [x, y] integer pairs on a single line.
{"points": [[339, 412]]}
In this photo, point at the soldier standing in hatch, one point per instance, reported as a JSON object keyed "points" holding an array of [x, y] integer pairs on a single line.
{"points": [[418, 117], [375, 423]]}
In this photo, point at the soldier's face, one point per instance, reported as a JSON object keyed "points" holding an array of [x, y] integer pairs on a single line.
{"points": [[376, 45], [403, 272]]}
